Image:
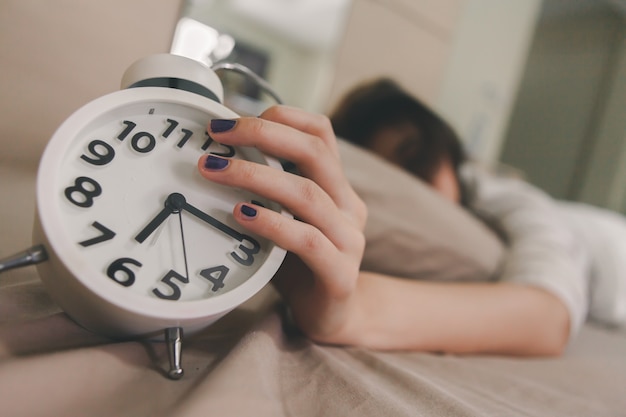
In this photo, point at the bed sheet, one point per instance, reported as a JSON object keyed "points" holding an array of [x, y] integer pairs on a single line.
{"points": [[253, 364]]}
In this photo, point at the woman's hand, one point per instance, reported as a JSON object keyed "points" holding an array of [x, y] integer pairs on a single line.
{"points": [[319, 276]]}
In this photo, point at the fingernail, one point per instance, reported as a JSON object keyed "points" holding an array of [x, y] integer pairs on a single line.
{"points": [[222, 125], [247, 211], [215, 163]]}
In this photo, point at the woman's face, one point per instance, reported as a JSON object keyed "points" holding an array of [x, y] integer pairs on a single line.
{"points": [[400, 145]]}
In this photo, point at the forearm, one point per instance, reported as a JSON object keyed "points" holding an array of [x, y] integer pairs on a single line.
{"points": [[398, 314]]}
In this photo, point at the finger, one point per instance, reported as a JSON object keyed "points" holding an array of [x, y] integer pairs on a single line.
{"points": [[314, 159], [302, 239], [301, 196], [311, 123], [273, 138]]}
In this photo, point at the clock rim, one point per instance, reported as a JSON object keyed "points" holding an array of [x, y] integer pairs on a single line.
{"points": [[66, 251]]}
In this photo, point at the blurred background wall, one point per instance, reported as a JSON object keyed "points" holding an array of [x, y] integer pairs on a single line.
{"points": [[568, 128], [535, 85], [463, 57], [56, 55]]}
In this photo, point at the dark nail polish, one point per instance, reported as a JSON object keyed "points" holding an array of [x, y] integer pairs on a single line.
{"points": [[248, 211], [215, 163], [222, 125]]}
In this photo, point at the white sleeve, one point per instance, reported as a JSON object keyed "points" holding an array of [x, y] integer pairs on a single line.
{"points": [[542, 250]]}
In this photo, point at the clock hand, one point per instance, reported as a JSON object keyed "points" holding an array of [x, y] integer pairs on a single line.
{"points": [[248, 247], [173, 204], [213, 221], [182, 237]]}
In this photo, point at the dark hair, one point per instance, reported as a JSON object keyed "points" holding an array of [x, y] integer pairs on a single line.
{"points": [[369, 107]]}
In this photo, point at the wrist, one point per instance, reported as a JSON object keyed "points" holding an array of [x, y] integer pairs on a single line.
{"points": [[327, 321]]}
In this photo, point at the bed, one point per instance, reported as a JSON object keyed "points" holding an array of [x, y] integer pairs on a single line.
{"points": [[251, 365], [253, 361]]}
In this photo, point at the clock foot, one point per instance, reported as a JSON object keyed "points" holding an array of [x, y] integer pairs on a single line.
{"points": [[174, 339], [30, 256]]}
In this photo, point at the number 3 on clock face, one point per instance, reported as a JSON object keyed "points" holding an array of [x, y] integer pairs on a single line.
{"points": [[125, 198]]}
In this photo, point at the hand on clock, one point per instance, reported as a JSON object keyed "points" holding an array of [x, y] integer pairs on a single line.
{"points": [[320, 282], [176, 203], [249, 246], [212, 221], [173, 204], [182, 238]]}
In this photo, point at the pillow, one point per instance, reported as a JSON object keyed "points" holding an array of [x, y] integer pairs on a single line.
{"points": [[414, 232]]}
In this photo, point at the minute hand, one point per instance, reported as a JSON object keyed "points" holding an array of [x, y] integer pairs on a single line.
{"points": [[213, 222]]}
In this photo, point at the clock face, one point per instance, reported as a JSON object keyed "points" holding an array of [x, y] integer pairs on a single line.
{"points": [[130, 215]]}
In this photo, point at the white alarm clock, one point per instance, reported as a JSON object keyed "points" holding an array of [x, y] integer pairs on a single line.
{"points": [[138, 244]]}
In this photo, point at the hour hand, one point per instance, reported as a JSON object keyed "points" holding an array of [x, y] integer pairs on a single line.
{"points": [[173, 204]]}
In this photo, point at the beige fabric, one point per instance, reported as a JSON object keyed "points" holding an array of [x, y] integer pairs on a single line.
{"points": [[247, 365], [414, 232]]}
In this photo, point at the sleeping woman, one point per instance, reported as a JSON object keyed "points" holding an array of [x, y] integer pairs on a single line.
{"points": [[543, 294]]}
